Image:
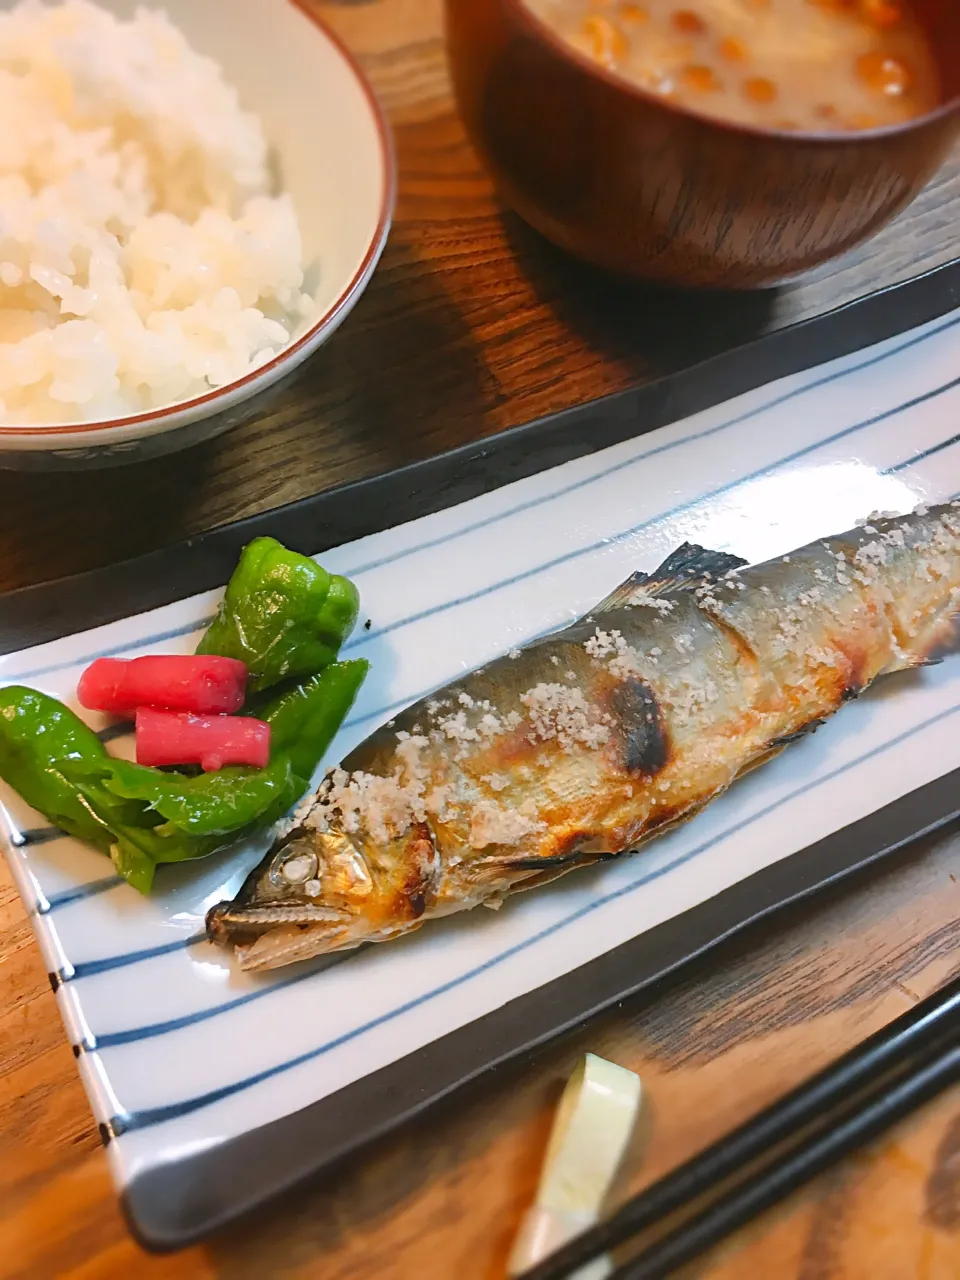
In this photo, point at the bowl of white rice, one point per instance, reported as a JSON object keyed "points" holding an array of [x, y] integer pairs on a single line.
{"points": [[192, 199]]}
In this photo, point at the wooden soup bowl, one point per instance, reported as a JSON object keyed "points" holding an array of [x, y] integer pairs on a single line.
{"points": [[637, 184]]}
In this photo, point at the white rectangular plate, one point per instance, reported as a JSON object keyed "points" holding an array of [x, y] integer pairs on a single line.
{"points": [[184, 1057]]}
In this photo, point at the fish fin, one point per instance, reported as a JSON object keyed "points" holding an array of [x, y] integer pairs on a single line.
{"points": [[544, 870], [685, 815], [620, 596], [774, 749], [684, 569], [946, 640], [912, 662], [539, 878], [942, 640], [689, 566], [566, 861], [786, 738]]}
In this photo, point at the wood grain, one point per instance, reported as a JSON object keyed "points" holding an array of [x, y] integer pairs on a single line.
{"points": [[444, 1197], [472, 324]]}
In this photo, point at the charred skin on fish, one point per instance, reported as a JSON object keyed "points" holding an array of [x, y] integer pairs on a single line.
{"points": [[585, 744]]}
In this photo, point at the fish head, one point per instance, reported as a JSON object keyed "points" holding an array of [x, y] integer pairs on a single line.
{"points": [[319, 891]]}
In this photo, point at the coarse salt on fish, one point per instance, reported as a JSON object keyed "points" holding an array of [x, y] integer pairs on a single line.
{"points": [[517, 773]]}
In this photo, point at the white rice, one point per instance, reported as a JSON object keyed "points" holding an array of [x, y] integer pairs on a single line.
{"points": [[143, 259]]}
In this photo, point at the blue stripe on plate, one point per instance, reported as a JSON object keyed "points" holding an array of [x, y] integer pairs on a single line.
{"points": [[129, 1121], [122, 729], [40, 835], [89, 968], [382, 713], [89, 890], [924, 453], [157, 638], [358, 642], [896, 469], [303, 971], [652, 453]]}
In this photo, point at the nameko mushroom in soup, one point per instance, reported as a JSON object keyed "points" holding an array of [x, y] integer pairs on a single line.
{"points": [[813, 65]]}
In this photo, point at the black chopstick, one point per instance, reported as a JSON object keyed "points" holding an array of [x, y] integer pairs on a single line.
{"points": [[841, 1107], [767, 1188]]}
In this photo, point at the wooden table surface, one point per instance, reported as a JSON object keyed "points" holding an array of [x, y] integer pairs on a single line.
{"points": [[472, 325]]}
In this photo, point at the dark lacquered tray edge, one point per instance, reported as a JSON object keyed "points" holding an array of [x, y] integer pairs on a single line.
{"points": [[173, 1205], [176, 1204], [49, 611]]}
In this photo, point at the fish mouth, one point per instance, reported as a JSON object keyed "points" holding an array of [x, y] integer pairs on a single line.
{"points": [[265, 937]]}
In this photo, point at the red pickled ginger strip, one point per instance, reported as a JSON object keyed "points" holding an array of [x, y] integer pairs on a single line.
{"points": [[205, 685], [172, 737]]}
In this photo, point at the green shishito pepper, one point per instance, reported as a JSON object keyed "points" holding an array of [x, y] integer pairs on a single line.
{"points": [[303, 719], [38, 735], [282, 615], [142, 817], [303, 722], [286, 618], [42, 744], [212, 804]]}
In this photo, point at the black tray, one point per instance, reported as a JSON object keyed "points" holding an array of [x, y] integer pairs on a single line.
{"points": [[170, 1206]]}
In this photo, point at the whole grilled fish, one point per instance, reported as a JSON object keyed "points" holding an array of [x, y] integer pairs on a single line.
{"points": [[586, 743]]}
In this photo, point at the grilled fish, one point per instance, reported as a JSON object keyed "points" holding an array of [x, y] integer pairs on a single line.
{"points": [[584, 744]]}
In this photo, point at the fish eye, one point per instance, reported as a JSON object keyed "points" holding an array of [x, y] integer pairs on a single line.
{"points": [[298, 868]]}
